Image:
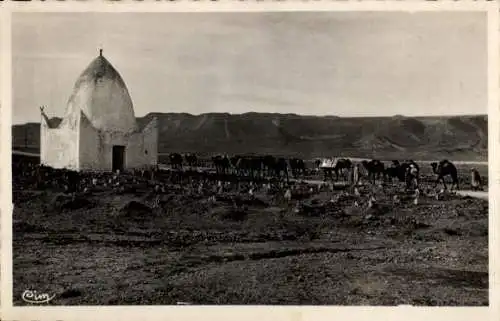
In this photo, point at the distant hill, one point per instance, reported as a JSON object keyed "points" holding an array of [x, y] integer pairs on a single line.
{"points": [[423, 138]]}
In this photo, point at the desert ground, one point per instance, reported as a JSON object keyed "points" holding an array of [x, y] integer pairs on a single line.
{"points": [[168, 239]]}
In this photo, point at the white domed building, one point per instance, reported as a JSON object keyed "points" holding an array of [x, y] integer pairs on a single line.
{"points": [[99, 130]]}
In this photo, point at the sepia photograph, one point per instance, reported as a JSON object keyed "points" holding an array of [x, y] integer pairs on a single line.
{"points": [[250, 158]]}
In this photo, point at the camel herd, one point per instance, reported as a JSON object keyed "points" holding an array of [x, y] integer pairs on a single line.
{"points": [[251, 166], [260, 166], [263, 169], [407, 171]]}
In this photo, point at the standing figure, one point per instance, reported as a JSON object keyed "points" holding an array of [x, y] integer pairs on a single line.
{"points": [[412, 176], [476, 181], [355, 175]]}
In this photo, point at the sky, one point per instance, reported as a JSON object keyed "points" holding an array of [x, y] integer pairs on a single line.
{"points": [[311, 63]]}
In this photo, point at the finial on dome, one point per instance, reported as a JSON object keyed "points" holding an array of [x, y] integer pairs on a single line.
{"points": [[100, 52]]}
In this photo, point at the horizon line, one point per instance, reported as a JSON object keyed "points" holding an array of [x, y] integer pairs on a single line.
{"points": [[292, 114]]}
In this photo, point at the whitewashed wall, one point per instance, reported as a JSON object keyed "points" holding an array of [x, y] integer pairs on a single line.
{"points": [[90, 146], [150, 138], [96, 147], [59, 146]]}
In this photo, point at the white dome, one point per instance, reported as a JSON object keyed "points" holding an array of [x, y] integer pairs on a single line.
{"points": [[100, 93]]}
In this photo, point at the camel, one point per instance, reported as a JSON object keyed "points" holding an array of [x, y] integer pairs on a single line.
{"points": [[407, 172], [395, 171], [257, 165], [274, 166], [176, 160], [243, 165], [191, 160], [342, 165], [234, 160], [327, 166], [317, 165], [337, 166], [221, 164], [251, 165], [281, 165], [269, 163], [297, 166], [375, 169], [443, 169]]}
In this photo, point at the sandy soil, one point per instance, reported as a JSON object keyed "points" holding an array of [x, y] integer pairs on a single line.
{"points": [[137, 246]]}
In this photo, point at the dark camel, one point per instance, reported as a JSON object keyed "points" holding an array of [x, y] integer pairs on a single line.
{"points": [[269, 163], [395, 171], [297, 166], [406, 172], [375, 168], [176, 160], [221, 164], [191, 160], [443, 169], [234, 160], [249, 165], [343, 165], [281, 165]]}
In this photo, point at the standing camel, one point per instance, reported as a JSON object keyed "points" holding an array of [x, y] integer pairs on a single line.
{"points": [[375, 168], [250, 165], [191, 160], [234, 161], [297, 166], [269, 164], [342, 165], [443, 169], [395, 170], [281, 165], [221, 164], [176, 160]]}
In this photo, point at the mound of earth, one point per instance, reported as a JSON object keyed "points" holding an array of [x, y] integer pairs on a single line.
{"points": [[62, 202], [232, 213], [134, 210]]}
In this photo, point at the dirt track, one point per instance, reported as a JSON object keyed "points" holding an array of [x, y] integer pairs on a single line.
{"points": [[471, 193], [475, 194], [146, 247]]}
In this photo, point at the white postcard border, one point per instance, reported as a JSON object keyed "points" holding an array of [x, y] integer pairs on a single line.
{"points": [[248, 312]]}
